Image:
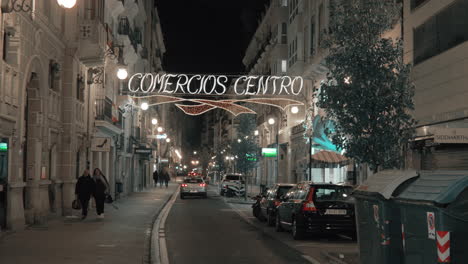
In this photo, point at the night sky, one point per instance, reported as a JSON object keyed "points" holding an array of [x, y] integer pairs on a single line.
{"points": [[207, 36]]}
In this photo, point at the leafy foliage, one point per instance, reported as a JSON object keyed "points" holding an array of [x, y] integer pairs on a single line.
{"points": [[368, 92], [246, 149]]}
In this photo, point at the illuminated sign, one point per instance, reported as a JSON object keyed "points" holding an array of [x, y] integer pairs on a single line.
{"points": [[3, 147], [269, 152], [173, 88], [161, 136], [214, 85]]}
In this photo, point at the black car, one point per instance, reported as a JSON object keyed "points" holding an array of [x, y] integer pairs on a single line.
{"points": [[271, 200], [317, 208]]}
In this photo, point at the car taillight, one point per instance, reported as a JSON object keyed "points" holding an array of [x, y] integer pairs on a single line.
{"points": [[308, 205], [202, 185], [184, 185]]}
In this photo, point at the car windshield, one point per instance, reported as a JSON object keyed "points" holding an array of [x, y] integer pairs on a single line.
{"points": [[282, 190], [193, 181], [232, 177], [332, 193]]}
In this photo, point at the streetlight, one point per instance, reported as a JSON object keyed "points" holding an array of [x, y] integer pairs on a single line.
{"points": [[66, 3], [160, 129], [271, 121], [239, 140], [144, 106], [256, 133], [154, 121], [122, 73], [168, 140], [294, 109], [194, 153]]}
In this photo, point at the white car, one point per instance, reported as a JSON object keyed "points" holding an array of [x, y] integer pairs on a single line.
{"points": [[193, 187], [233, 184]]}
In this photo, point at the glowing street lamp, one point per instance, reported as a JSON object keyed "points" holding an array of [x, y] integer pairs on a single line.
{"points": [[122, 73], [271, 121], [66, 3], [256, 133], [160, 129], [144, 106], [239, 140], [154, 121], [168, 140], [294, 109]]}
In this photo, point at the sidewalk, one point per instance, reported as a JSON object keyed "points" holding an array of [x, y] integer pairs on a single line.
{"points": [[122, 237]]}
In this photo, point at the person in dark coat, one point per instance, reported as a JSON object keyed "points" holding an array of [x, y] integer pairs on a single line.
{"points": [[166, 177], [84, 189], [102, 188], [155, 177]]}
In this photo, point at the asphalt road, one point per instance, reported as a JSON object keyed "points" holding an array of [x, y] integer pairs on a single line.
{"points": [[209, 231]]}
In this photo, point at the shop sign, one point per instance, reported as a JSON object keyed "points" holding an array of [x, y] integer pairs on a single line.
{"points": [[143, 151], [269, 152], [451, 136], [101, 144], [3, 147]]}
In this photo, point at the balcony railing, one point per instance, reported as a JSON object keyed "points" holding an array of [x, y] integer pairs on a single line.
{"points": [[104, 109]]}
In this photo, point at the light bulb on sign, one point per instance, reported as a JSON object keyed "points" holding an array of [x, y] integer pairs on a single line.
{"points": [[294, 109], [154, 121], [122, 73], [66, 3], [144, 106]]}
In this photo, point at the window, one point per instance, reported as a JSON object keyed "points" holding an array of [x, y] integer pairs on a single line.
{"points": [[284, 66], [292, 52], [312, 35], [332, 193], [293, 10], [193, 181], [284, 33], [80, 88], [282, 191], [443, 31], [321, 21], [416, 3], [283, 2]]}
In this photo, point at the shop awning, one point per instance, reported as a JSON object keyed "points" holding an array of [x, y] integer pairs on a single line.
{"points": [[325, 156]]}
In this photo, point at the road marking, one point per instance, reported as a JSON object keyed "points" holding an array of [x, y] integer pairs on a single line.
{"points": [[158, 240]]}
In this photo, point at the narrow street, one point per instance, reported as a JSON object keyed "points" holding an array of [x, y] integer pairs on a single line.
{"points": [[209, 231]]}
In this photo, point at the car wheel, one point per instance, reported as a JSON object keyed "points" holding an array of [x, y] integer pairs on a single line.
{"points": [[297, 232], [271, 219], [278, 226]]}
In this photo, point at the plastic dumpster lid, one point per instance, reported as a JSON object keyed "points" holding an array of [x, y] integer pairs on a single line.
{"points": [[386, 182], [442, 187]]}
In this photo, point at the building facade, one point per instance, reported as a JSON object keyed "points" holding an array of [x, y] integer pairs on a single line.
{"points": [[62, 107]]}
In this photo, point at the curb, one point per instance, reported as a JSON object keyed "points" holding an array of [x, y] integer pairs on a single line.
{"points": [[332, 259], [305, 257], [148, 247]]}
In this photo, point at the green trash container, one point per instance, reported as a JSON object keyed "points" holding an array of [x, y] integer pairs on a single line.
{"points": [[378, 217], [434, 213]]}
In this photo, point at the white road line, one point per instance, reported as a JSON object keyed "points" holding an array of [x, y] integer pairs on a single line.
{"points": [[158, 239]]}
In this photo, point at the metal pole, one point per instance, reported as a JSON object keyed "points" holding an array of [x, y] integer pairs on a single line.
{"points": [[310, 158], [277, 154]]}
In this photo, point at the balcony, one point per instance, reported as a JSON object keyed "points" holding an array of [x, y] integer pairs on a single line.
{"points": [[105, 118]]}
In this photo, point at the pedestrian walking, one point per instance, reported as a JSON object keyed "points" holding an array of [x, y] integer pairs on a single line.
{"points": [[155, 177], [101, 190], [84, 189], [166, 177]]}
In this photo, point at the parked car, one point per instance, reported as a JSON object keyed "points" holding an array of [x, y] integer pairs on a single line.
{"points": [[232, 184], [271, 200], [193, 187], [317, 208]]}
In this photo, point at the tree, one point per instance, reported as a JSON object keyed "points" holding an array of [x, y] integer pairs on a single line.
{"points": [[368, 92], [244, 147]]}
